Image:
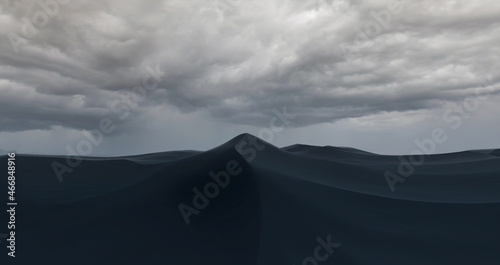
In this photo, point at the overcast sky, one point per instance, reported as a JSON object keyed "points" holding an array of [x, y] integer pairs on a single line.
{"points": [[375, 75]]}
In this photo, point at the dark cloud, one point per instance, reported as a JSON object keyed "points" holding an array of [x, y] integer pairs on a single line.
{"points": [[238, 60]]}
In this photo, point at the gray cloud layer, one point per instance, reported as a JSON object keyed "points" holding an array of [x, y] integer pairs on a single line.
{"points": [[236, 60]]}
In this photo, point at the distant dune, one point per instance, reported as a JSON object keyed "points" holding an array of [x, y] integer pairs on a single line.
{"points": [[249, 202]]}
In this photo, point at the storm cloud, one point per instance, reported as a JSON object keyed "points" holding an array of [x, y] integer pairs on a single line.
{"points": [[66, 66]]}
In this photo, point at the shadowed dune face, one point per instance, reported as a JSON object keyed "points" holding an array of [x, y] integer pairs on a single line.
{"points": [[253, 203]]}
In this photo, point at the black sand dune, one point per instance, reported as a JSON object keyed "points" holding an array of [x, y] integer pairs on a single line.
{"points": [[273, 211]]}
